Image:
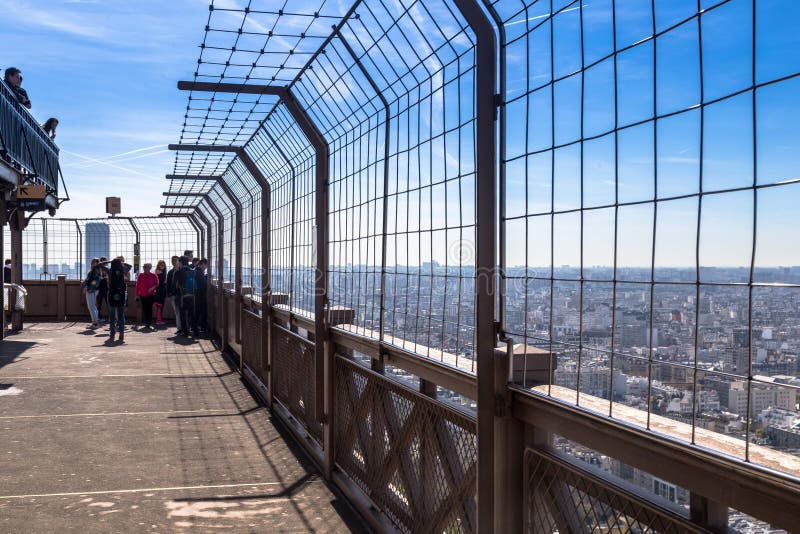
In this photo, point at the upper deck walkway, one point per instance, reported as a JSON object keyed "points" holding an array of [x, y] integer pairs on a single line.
{"points": [[150, 436]]}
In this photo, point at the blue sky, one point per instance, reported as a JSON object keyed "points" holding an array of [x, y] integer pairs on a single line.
{"points": [[108, 71]]}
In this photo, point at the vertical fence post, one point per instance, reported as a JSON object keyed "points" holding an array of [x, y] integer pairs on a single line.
{"points": [[323, 404], [17, 224], [266, 311], [2, 255], [237, 280], [485, 256], [220, 317]]}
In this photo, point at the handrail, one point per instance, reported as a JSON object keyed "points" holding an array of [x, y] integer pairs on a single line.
{"points": [[25, 144]]}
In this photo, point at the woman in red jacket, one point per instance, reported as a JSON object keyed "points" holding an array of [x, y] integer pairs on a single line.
{"points": [[146, 287]]}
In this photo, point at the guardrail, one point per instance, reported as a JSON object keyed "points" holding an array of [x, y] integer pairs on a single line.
{"points": [[25, 145]]}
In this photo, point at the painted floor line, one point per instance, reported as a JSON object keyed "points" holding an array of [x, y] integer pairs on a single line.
{"points": [[140, 490], [5, 417]]}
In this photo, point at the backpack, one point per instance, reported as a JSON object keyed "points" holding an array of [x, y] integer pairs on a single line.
{"points": [[189, 283]]}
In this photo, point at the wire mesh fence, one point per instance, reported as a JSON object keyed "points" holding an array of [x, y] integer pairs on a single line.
{"points": [[647, 154], [51, 247], [646, 181]]}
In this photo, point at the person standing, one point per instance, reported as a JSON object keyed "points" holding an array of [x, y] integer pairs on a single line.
{"points": [[161, 292], [102, 289], [7, 271], [117, 298], [90, 287], [172, 295], [146, 287], [200, 302], [13, 78], [186, 288]]}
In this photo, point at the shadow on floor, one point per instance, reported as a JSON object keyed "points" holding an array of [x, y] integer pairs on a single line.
{"points": [[11, 350]]}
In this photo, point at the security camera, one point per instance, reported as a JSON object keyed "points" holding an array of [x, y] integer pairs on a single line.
{"points": [[51, 212]]}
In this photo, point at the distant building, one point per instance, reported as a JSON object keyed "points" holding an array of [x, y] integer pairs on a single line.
{"points": [[97, 243]]}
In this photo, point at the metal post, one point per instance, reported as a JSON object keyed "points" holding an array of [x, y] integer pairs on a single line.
{"points": [[137, 246], [2, 255], [220, 272], [17, 224], [198, 232], [485, 270], [237, 280], [207, 234]]}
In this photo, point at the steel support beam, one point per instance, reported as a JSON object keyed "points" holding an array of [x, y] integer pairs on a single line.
{"points": [[195, 177], [221, 317], [17, 224], [199, 229], [485, 261], [238, 258], [266, 258], [207, 246], [176, 194]]}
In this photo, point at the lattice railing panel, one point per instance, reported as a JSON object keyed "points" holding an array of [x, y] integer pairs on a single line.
{"points": [[561, 497], [251, 342], [414, 457], [293, 376]]}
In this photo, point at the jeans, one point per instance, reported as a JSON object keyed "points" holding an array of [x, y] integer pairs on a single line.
{"points": [[177, 309], [91, 303], [116, 319], [147, 309], [187, 314]]}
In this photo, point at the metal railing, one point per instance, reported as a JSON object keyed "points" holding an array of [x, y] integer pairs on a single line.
{"points": [[374, 146], [25, 145]]}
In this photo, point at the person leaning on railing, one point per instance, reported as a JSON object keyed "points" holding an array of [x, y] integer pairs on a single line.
{"points": [[50, 126], [13, 79]]}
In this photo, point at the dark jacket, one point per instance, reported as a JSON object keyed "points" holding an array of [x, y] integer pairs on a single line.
{"points": [[170, 282]]}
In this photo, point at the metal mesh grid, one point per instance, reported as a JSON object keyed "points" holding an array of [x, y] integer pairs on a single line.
{"points": [[646, 172], [228, 253], [561, 497], [161, 238], [293, 208], [51, 247], [212, 252], [416, 459], [414, 66], [249, 194]]}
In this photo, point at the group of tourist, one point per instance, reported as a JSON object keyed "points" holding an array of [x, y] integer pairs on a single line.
{"points": [[13, 79], [183, 287]]}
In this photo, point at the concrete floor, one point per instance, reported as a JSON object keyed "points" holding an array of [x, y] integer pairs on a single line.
{"points": [[154, 435]]}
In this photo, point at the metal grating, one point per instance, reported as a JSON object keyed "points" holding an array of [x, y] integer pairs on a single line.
{"points": [[561, 497], [415, 458], [293, 376]]}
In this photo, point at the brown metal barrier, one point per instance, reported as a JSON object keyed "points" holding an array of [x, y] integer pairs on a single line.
{"points": [[251, 344], [560, 497], [414, 457], [294, 377]]}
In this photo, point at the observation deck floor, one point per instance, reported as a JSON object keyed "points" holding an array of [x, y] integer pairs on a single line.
{"points": [[157, 434]]}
